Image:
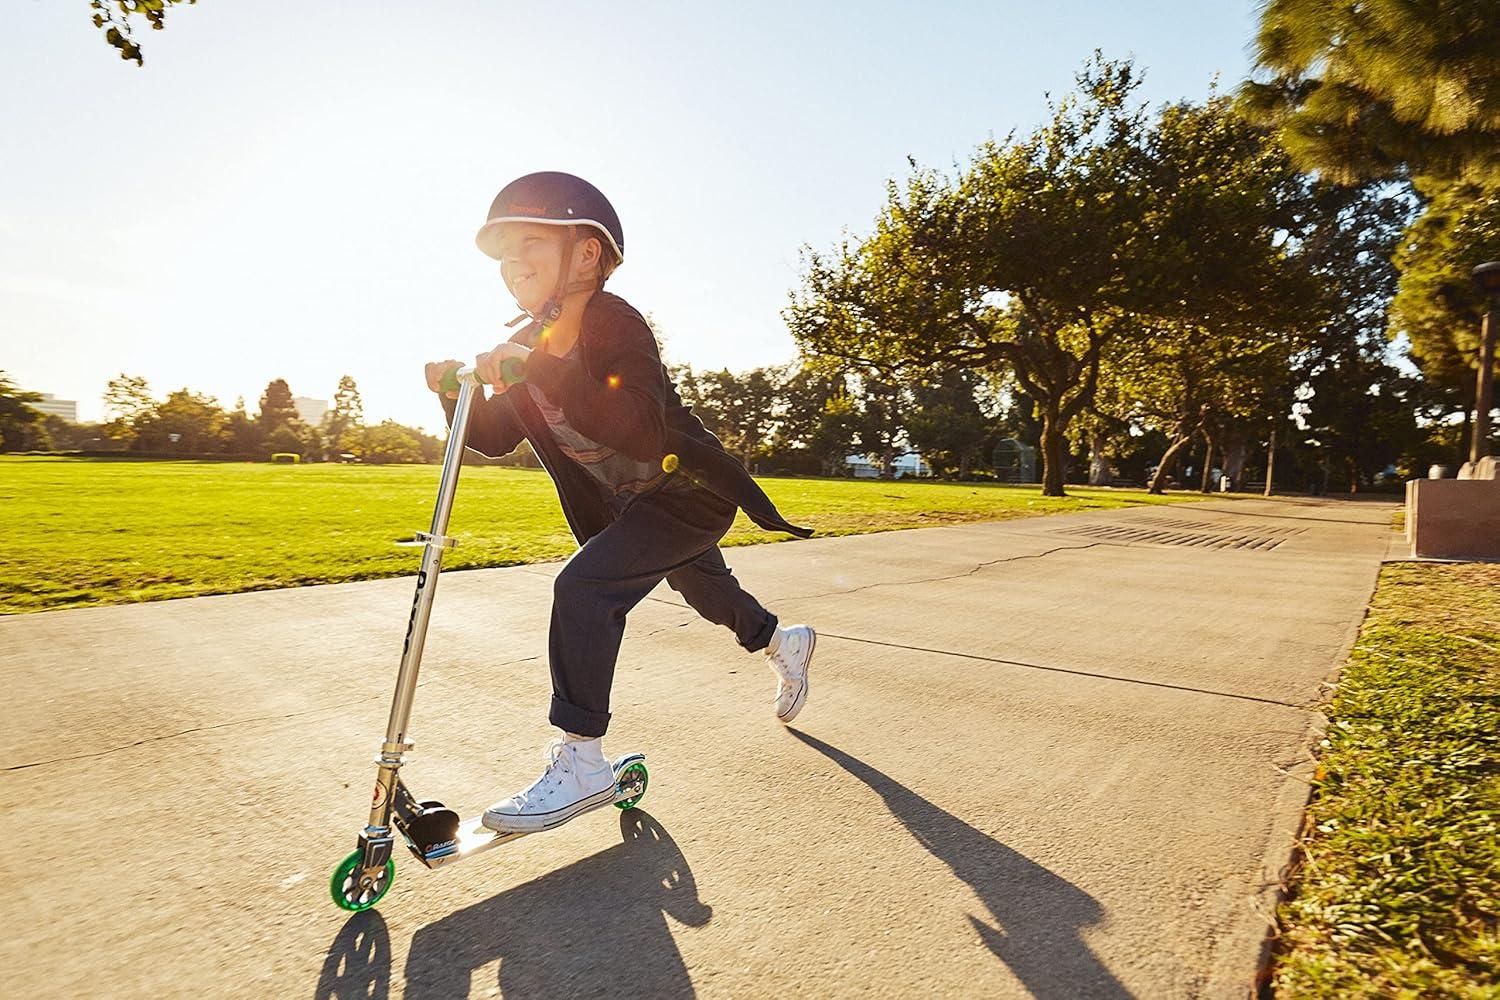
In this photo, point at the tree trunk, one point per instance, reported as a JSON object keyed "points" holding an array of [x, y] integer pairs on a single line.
{"points": [[1208, 468], [1158, 481], [1271, 462], [1054, 454], [888, 463], [1099, 471], [1351, 469], [963, 466]]}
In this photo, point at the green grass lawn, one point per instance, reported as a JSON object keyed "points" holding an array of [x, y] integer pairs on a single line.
{"points": [[95, 531], [1398, 893]]}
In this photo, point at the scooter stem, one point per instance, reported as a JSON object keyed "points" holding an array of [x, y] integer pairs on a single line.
{"points": [[436, 541]]}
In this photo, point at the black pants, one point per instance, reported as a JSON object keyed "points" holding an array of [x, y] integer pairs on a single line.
{"points": [[671, 535]]}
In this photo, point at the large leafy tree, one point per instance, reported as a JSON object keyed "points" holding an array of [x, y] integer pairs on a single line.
{"points": [[1100, 224], [1015, 263], [1383, 88]]}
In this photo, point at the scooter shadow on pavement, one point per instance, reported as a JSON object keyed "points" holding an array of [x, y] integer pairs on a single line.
{"points": [[359, 961], [595, 928], [1039, 914]]}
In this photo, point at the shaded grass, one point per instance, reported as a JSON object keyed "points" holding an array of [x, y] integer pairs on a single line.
{"points": [[94, 531], [1398, 893]]}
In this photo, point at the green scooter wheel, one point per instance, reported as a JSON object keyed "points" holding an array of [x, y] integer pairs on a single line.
{"points": [[347, 891], [631, 773]]}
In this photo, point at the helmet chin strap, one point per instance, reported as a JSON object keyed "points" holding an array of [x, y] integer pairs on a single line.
{"points": [[551, 309]]}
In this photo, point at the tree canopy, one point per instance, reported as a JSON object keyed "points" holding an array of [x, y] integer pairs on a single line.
{"points": [[1382, 88]]}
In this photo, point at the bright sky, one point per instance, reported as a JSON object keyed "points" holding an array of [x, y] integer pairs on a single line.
{"points": [[295, 194]]}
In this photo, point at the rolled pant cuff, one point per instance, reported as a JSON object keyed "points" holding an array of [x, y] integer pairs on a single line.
{"points": [[763, 637], [580, 721]]}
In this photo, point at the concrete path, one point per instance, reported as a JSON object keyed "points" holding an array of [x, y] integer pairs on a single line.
{"points": [[1059, 757]]}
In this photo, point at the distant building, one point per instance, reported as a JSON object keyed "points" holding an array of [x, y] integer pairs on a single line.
{"points": [[65, 408], [310, 410]]}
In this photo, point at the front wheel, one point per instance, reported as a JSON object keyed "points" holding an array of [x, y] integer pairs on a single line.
{"points": [[634, 773], [350, 892]]}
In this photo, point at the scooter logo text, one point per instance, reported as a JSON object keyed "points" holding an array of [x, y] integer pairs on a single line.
{"points": [[411, 622]]}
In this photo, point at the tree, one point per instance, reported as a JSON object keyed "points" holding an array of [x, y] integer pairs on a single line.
{"points": [[127, 402], [744, 407], [389, 442], [276, 407], [945, 423], [185, 422], [283, 440], [69, 436], [241, 435], [1099, 224], [880, 422], [113, 17], [1381, 89], [22, 427], [832, 438], [1018, 262], [1352, 400], [1437, 306], [342, 423]]}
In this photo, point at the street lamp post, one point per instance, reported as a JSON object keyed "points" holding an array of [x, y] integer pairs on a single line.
{"points": [[1487, 277]]}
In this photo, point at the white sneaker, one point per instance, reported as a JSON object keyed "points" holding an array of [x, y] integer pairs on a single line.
{"points": [[792, 653], [573, 783]]}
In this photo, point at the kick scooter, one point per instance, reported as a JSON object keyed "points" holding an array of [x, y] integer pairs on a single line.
{"points": [[432, 831]]}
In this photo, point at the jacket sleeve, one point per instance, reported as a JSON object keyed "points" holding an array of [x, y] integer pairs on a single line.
{"points": [[626, 410], [494, 428]]}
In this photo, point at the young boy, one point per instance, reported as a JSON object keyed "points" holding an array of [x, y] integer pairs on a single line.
{"points": [[647, 490]]}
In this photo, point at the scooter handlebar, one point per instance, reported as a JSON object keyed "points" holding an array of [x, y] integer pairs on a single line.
{"points": [[512, 371]]}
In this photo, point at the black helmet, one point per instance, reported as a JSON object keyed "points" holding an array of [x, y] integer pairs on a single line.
{"points": [[552, 199]]}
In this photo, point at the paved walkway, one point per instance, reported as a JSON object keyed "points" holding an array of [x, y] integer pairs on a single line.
{"points": [[1059, 756]]}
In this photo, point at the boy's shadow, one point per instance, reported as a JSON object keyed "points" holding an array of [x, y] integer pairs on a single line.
{"points": [[595, 928], [1039, 914]]}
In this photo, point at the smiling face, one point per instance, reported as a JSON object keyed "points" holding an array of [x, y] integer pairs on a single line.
{"points": [[531, 259]]}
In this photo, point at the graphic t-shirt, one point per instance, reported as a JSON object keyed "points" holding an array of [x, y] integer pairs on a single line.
{"points": [[618, 474]]}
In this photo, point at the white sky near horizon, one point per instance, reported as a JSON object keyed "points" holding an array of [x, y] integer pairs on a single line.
{"points": [[295, 195]]}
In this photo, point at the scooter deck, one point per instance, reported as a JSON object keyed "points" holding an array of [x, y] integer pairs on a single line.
{"points": [[474, 837]]}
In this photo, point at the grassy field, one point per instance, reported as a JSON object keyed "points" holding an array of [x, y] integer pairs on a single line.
{"points": [[1398, 893], [81, 532]]}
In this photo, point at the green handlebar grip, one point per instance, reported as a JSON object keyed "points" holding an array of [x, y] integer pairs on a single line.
{"points": [[512, 371]]}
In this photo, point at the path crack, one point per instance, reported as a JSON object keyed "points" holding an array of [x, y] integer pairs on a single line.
{"points": [[950, 576]]}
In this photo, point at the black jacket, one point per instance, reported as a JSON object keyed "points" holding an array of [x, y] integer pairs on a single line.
{"points": [[617, 392]]}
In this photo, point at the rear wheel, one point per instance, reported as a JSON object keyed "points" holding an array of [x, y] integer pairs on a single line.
{"points": [[352, 891]]}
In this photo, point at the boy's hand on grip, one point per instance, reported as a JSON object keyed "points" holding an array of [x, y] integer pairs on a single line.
{"points": [[491, 367], [435, 372]]}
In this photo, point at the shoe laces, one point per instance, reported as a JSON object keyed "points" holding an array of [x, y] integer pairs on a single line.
{"points": [[556, 766], [779, 662]]}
